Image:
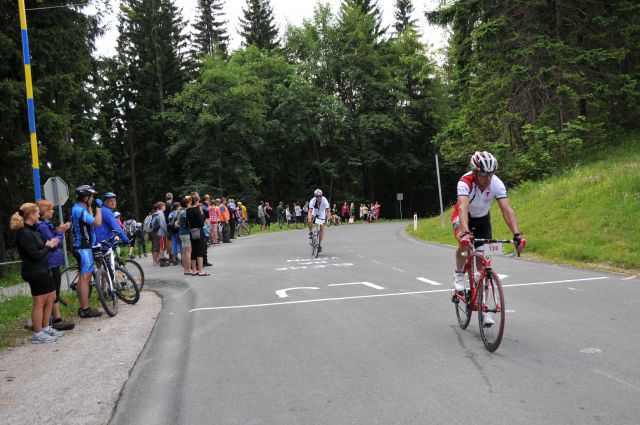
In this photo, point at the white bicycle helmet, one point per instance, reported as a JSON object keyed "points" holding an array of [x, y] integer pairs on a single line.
{"points": [[484, 161], [317, 192]]}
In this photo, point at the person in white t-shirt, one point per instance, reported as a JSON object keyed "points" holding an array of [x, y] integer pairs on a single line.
{"points": [[476, 191], [318, 208]]}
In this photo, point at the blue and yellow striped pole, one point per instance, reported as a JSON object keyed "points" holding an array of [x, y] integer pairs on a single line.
{"points": [[30, 104]]}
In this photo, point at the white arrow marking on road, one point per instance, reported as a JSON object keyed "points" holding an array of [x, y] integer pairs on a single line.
{"points": [[369, 284], [430, 282], [360, 297], [282, 293]]}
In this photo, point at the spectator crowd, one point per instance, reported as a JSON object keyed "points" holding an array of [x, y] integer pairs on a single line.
{"points": [[179, 231]]}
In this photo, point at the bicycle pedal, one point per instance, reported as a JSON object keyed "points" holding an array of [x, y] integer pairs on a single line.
{"points": [[454, 299]]}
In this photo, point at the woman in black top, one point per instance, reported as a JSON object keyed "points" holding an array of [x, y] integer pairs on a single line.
{"points": [[35, 270], [195, 220], [268, 211]]}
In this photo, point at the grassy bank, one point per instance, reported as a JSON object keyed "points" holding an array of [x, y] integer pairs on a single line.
{"points": [[588, 216]]}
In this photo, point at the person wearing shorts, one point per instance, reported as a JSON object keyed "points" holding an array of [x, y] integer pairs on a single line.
{"points": [[35, 270], [471, 220], [185, 238], [84, 224]]}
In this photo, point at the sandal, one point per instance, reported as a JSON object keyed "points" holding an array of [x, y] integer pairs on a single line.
{"points": [[204, 274], [188, 274]]}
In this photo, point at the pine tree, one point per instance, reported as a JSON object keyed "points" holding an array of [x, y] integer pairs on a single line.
{"points": [[258, 27], [370, 8], [404, 9], [152, 67], [211, 36]]}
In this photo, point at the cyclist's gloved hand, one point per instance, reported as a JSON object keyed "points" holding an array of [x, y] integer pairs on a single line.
{"points": [[466, 240], [519, 241], [98, 203]]}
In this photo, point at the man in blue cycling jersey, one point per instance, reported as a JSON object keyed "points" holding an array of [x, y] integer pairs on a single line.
{"points": [[109, 221], [84, 224]]}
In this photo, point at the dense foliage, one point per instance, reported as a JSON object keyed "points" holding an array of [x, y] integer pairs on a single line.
{"points": [[340, 102]]}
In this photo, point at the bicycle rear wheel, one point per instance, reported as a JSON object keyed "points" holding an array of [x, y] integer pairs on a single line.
{"points": [[491, 302], [135, 270], [125, 286], [107, 297]]}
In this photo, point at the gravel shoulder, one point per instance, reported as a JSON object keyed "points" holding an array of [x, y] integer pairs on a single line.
{"points": [[77, 379]]}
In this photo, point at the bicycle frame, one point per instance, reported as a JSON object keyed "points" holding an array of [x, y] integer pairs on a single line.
{"points": [[473, 258]]}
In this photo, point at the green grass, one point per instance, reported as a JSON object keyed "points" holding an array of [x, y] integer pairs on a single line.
{"points": [[588, 216], [15, 311]]}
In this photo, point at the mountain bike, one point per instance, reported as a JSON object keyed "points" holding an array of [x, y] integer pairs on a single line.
{"points": [[315, 237], [110, 280], [134, 268], [484, 295]]}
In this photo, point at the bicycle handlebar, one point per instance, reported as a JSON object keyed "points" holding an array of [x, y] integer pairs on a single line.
{"points": [[517, 252], [115, 238]]}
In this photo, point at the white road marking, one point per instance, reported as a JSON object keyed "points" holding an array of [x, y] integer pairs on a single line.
{"points": [[571, 289], [556, 281], [401, 271], [430, 282], [376, 261], [509, 311], [298, 260], [360, 255], [618, 380], [591, 350], [369, 284], [502, 276], [432, 291], [629, 278], [317, 266], [282, 293]]}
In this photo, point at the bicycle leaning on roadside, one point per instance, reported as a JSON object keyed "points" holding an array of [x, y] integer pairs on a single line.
{"points": [[110, 280], [243, 228], [315, 237], [483, 294]]}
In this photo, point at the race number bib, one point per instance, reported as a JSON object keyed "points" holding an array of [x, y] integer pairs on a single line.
{"points": [[492, 249]]}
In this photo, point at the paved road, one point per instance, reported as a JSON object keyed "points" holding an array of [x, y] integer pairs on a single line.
{"points": [[241, 348]]}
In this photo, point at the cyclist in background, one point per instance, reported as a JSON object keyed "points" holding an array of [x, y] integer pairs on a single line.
{"points": [[84, 224], [476, 191], [318, 208]]}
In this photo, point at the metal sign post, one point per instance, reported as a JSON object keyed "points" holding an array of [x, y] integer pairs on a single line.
{"points": [[399, 197], [57, 191], [440, 192]]}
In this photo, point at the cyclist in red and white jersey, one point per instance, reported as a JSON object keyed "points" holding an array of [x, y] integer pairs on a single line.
{"points": [[476, 191]]}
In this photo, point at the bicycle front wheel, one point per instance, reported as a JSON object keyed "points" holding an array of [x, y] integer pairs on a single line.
{"points": [[491, 305], [125, 286], [135, 270], [106, 295]]}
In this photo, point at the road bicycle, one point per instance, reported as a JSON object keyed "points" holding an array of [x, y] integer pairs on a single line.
{"points": [[110, 280], [315, 237], [243, 228], [484, 295]]}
